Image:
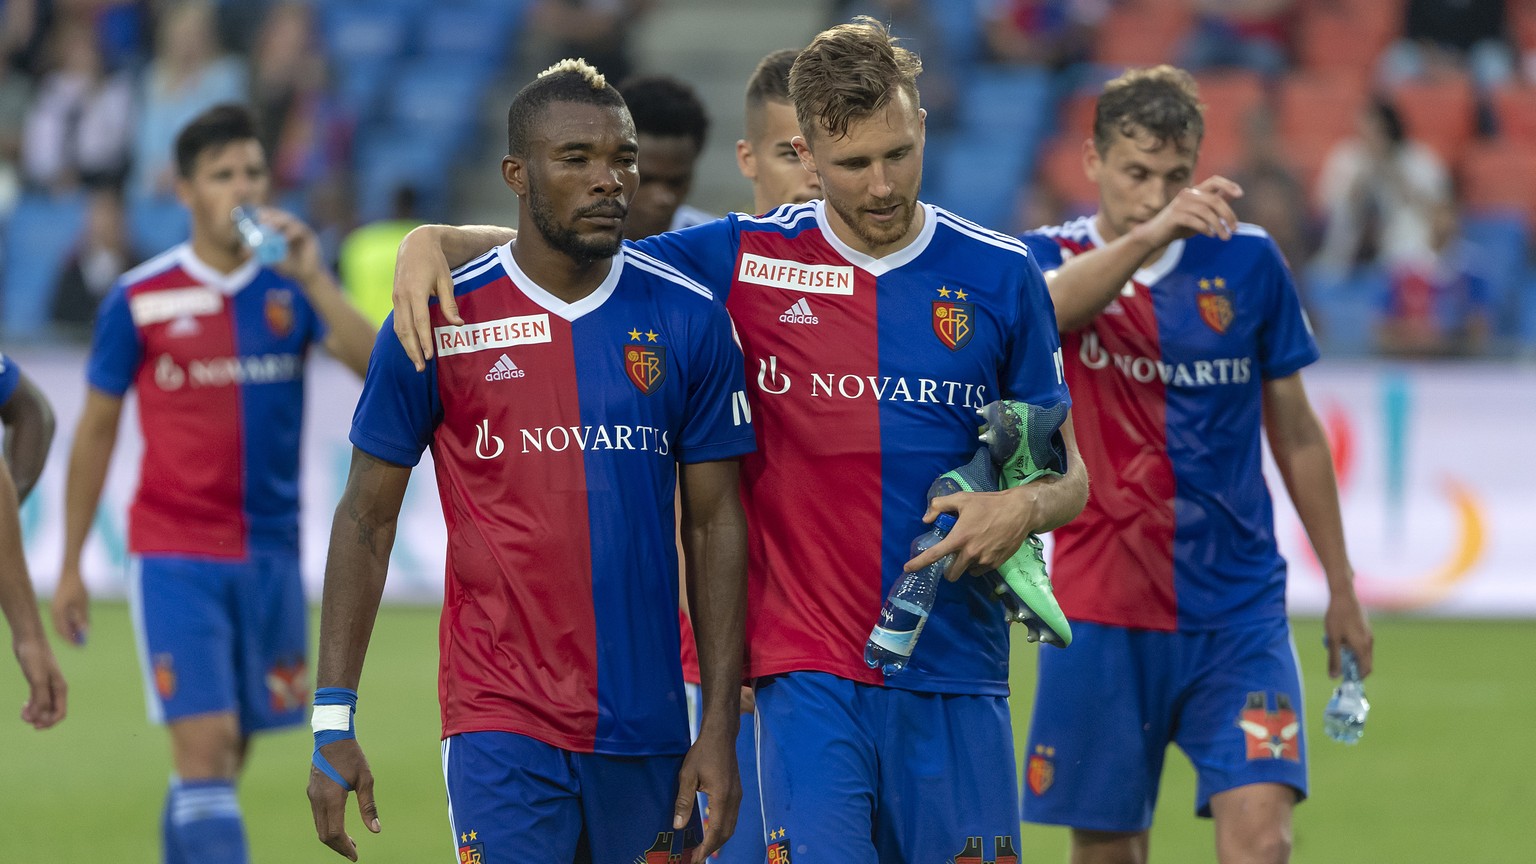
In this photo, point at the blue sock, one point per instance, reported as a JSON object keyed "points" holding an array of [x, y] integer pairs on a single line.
{"points": [[170, 850], [203, 823]]}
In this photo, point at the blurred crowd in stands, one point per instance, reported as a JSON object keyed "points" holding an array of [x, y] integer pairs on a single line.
{"points": [[1389, 146]]}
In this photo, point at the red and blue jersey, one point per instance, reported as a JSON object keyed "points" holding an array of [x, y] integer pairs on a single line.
{"points": [[868, 376], [218, 362], [1178, 533], [556, 431]]}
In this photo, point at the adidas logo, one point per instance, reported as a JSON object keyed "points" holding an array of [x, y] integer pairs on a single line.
{"points": [[503, 370], [800, 313]]}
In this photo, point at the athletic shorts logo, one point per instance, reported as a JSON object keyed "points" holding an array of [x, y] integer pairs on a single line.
{"points": [[800, 313], [1002, 851], [663, 851], [288, 684], [504, 370], [1215, 304], [646, 366], [165, 676], [1040, 773], [471, 852], [778, 846], [1270, 734], [953, 323]]}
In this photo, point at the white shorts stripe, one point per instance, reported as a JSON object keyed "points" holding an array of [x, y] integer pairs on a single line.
{"points": [[152, 704]]}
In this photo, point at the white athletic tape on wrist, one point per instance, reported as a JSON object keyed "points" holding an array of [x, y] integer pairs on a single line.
{"points": [[331, 718]]}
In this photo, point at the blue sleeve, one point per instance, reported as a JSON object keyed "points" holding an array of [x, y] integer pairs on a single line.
{"points": [[704, 253], [10, 377], [400, 409], [1044, 249], [1034, 373], [718, 423], [116, 350], [1286, 344]]}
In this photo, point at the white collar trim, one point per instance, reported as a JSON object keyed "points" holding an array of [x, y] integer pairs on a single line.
{"points": [[880, 266], [1152, 273], [556, 306], [228, 284]]}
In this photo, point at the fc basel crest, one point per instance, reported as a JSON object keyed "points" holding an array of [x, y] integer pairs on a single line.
{"points": [[1041, 770], [1270, 734], [778, 847], [280, 312], [1215, 304], [646, 366], [953, 323]]}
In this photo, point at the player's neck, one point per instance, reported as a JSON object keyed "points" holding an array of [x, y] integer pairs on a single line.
{"points": [[556, 272], [221, 257], [859, 244]]}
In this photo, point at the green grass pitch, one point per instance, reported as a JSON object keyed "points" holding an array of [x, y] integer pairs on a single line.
{"points": [[1446, 773]]}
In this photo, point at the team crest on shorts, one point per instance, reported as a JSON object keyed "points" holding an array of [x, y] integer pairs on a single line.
{"points": [[778, 846], [279, 311], [1270, 734], [1002, 851], [662, 851], [1215, 304], [288, 684], [1040, 773], [471, 851], [645, 364], [953, 321], [165, 676]]}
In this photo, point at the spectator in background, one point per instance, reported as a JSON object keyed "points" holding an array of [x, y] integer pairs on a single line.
{"points": [[596, 30], [1378, 194], [1440, 307], [1242, 34], [1053, 34], [187, 75], [102, 255], [78, 129], [1449, 37], [307, 133], [1275, 198], [367, 259], [670, 125]]}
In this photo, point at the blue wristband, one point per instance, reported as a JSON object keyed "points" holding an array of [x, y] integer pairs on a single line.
{"points": [[334, 696]]}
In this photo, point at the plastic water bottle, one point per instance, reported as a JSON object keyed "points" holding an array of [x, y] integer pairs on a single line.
{"points": [[907, 606], [1344, 717], [268, 244]]}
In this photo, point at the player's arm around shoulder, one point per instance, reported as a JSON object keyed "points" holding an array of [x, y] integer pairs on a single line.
{"points": [[424, 269], [1305, 462]]}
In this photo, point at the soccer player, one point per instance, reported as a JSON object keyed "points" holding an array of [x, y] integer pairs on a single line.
{"points": [[583, 381], [28, 422], [215, 344], [874, 325], [670, 125], [1184, 337]]}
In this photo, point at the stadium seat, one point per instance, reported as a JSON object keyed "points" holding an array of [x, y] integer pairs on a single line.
{"points": [[1007, 105], [1075, 116], [1061, 167], [38, 238], [1514, 110], [1346, 36], [1314, 112], [1229, 98], [959, 29], [155, 224], [1442, 114], [391, 157], [1501, 243], [356, 32], [1499, 177], [484, 33], [437, 98], [1142, 34], [980, 180]]}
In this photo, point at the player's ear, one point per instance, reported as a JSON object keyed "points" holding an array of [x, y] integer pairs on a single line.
{"points": [[1092, 161], [746, 160], [803, 150], [514, 172]]}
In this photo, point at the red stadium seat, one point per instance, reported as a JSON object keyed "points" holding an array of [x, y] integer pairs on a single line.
{"points": [[1142, 34], [1315, 112], [1061, 168], [1441, 113], [1515, 110], [1077, 114], [1522, 23], [1499, 176], [1346, 35], [1229, 98]]}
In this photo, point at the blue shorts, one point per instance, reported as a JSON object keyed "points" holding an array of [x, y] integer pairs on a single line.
{"points": [[1107, 708], [216, 636], [859, 774], [746, 845], [514, 798]]}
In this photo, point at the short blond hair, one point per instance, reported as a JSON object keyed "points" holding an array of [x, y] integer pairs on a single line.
{"points": [[848, 73], [579, 66]]}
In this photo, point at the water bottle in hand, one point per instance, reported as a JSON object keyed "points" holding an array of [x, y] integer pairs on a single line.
{"points": [[907, 606], [268, 244], [1344, 717]]}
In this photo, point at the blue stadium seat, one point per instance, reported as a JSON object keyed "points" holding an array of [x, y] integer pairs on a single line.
{"points": [[437, 98], [361, 84], [978, 180], [1345, 311], [391, 157], [38, 238], [156, 224], [960, 30], [1500, 242], [361, 32], [1007, 104], [486, 33]]}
